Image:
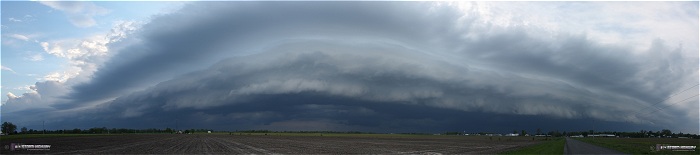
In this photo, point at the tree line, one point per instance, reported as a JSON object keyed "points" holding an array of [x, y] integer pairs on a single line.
{"points": [[270, 131], [664, 133], [9, 128]]}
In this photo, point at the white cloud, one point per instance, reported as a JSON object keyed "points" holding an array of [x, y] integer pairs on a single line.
{"points": [[60, 77], [121, 30], [8, 69], [14, 20], [96, 45], [36, 57], [613, 23], [54, 49], [20, 37], [80, 13], [83, 55], [25, 18], [11, 95], [39, 95]]}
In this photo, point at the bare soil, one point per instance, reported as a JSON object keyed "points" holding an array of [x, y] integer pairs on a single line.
{"points": [[269, 144]]}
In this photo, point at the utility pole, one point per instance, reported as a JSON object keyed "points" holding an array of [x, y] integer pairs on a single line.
{"points": [[593, 131]]}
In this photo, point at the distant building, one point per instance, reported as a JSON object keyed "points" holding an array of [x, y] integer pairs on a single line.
{"points": [[512, 134], [602, 135]]}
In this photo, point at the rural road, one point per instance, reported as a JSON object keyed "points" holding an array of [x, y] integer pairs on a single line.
{"points": [[577, 147]]}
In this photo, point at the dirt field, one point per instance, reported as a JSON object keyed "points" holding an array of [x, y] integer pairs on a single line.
{"points": [[270, 144]]}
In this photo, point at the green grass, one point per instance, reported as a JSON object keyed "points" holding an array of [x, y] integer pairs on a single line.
{"points": [[22, 136], [554, 146], [642, 145]]}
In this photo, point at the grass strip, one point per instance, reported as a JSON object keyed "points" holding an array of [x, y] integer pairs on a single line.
{"points": [[554, 146], [642, 145]]}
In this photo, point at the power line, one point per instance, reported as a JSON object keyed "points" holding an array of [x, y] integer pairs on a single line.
{"points": [[669, 97], [672, 104]]}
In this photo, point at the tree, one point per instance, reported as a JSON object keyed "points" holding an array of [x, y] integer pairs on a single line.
{"points": [[523, 133], [666, 132], [24, 130], [8, 128], [76, 130], [539, 131], [556, 133]]}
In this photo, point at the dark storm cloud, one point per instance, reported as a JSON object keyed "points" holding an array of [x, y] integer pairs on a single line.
{"points": [[373, 66], [171, 43], [370, 86], [580, 61]]}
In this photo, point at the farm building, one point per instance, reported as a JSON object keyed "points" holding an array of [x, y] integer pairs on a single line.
{"points": [[602, 135]]}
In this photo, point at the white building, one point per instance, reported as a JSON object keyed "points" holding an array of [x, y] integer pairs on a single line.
{"points": [[602, 135]]}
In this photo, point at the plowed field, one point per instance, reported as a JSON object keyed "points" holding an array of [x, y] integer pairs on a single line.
{"points": [[270, 144]]}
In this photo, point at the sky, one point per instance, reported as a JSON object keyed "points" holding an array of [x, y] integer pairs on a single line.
{"points": [[352, 66]]}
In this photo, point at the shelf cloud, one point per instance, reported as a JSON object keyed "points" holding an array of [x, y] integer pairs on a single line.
{"points": [[382, 66]]}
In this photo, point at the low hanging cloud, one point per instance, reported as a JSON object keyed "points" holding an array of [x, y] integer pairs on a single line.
{"points": [[376, 66]]}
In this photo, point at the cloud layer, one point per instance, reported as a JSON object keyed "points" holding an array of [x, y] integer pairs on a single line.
{"points": [[80, 14], [377, 66]]}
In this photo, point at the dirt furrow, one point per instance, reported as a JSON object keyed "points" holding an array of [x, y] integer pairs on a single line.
{"points": [[258, 144], [224, 147], [255, 150]]}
